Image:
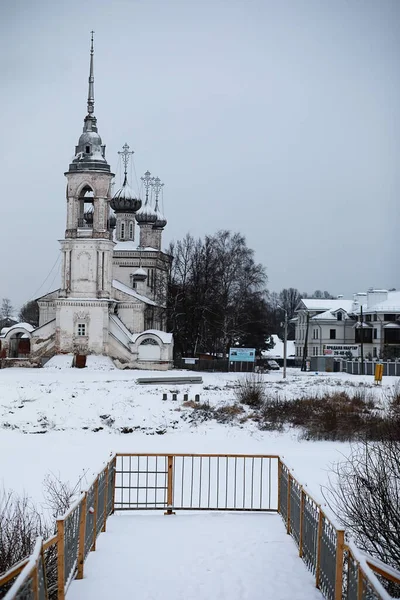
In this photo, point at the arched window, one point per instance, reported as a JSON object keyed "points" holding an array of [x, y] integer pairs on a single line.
{"points": [[122, 231], [87, 149], [131, 230]]}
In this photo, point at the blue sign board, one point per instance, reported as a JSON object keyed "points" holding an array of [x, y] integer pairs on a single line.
{"points": [[242, 354]]}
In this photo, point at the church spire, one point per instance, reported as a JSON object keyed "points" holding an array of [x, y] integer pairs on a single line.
{"points": [[90, 152], [90, 101]]}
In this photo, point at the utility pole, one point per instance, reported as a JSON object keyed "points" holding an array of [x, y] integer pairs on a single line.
{"points": [[284, 341], [305, 348], [285, 347], [362, 340]]}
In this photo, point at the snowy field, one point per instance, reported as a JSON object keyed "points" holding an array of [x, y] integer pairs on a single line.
{"points": [[67, 421], [195, 556]]}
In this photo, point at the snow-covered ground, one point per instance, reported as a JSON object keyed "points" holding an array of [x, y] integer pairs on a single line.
{"points": [[195, 556], [67, 421]]}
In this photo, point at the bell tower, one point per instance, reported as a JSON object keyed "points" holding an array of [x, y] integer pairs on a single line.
{"points": [[87, 247], [84, 302]]}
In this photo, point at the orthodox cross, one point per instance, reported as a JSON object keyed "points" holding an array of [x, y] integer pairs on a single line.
{"points": [[147, 182], [157, 187], [125, 154]]}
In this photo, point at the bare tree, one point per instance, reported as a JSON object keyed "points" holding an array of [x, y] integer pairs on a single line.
{"points": [[364, 494], [6, 313], [217, 295], [29, 313]]}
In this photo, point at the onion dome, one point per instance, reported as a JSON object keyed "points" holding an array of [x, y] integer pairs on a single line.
{"points": [[88, 215], [139, 275], [124, 200], [146, 215], [160, 222], [112, 222]]}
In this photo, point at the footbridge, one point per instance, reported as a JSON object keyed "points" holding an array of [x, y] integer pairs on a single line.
{"points": [[173, 520]]}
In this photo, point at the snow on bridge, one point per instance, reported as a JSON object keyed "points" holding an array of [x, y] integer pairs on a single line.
{"points": [[195, 556]]}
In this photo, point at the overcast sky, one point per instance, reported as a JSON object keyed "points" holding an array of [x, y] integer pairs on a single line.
{"points": [[276, 118]]}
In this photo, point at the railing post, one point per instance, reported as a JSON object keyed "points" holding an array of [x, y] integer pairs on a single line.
{"points": [[35, 581], [339, 563], [44, 574], [288, 503], [60, 560], [105, 501], [279, 484], [113, 488], [170, 483], [82, 530], [301, 522], [96, 502], [359, 582], [319, 537]]}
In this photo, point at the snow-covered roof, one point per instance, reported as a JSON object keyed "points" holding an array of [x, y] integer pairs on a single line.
{"points": [[277, 350], [329, 315], [130, 246], [130, 292], [392, 304], [26, 326], [323, 304]]}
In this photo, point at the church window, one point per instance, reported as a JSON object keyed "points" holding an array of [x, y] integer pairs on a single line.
{"points": [[131, 230], [122, 231], [87, 149], [149, 342], [81, 329]]}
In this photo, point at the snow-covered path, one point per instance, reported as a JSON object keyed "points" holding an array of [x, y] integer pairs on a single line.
{"points": [[195, 556]]}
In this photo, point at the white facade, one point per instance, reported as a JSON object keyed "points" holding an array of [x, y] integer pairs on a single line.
{"points": [[113, 291], [335, 327]]}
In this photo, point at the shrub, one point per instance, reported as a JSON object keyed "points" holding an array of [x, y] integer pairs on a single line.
{"points": [[250, 390], [21, 523]]}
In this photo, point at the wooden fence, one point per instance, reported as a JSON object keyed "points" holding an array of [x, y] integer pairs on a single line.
{"points": [[172, 482]]}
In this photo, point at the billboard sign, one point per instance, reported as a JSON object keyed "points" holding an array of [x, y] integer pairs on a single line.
{"points": [[242, 354], [341, 350]]}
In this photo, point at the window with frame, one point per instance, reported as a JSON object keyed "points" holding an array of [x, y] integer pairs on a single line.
{"points": [[122, 231], [81, 329], [131, 230], [332, 334], [339, 316]]}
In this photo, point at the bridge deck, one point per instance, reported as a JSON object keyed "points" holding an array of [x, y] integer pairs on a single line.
{"points": [[195, 556]]}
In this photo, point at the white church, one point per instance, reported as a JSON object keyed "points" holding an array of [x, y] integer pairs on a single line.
{"points": [[114, 273]]}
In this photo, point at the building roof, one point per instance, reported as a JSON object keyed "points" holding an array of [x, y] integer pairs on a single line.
{"points": [[130, 246], [130, 292], [322, 304], [392, 304]]}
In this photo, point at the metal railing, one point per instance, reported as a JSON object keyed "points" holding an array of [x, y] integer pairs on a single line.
{"points": [[41, 576], [341, 571], [169, 482], [196, 482]]}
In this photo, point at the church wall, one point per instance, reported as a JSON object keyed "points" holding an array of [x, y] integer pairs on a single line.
{"points": [[47, 312], [132, 316], [82, 327]]}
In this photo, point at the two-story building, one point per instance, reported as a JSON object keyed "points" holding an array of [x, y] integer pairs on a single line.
{"points": [[340, 326]]}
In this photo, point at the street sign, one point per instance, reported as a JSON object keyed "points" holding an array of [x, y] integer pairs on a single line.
{"points": [[242, 354]]}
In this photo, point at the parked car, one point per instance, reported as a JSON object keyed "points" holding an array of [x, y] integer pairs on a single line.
{"points": [[273, 365], [266, 364]]}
